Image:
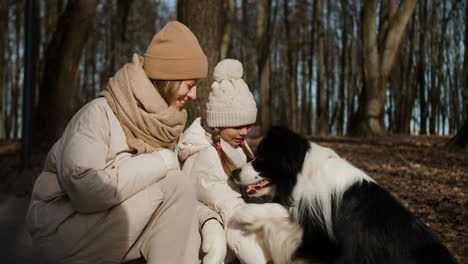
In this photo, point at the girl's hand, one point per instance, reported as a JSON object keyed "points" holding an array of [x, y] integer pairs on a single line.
{"points": [[213, 242]]}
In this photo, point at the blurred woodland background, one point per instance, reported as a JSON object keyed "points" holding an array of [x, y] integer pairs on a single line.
{"points": [[321, 67]]}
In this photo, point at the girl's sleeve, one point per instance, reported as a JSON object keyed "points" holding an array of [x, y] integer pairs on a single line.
{"points": [[210, 181], [83, 174], [205, 213]]}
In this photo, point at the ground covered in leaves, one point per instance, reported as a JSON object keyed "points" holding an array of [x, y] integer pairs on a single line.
{"points": [[431, 180]]}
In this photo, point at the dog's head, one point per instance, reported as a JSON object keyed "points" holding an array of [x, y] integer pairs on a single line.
{"points": [[272, 175]]}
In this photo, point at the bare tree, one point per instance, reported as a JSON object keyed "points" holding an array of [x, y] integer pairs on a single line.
{"points": [[402, 85], [229, 13], [461, 138], [245, 41], [3, 51], [344, 63], [422, 69], [264, 33], [379, 51], [16, 72], [322, 127], [303, 22], [465, 67], [291, 69], [434, 92], [61, 60], [203, 17], [310, 60]]}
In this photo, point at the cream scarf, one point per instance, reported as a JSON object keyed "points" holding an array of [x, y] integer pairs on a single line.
{"points": [[148, 121]]}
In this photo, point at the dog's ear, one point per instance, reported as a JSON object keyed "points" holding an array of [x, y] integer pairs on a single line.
{"points": [[278, 132], [283, 135], [274, 140], [291, 145]]}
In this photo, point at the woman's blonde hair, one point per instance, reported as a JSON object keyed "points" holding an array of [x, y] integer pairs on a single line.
{"points": [[228, 164], [167, 89]]}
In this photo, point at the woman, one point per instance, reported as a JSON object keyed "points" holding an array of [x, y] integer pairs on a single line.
{"points": [[111, 190], [211, 148]]}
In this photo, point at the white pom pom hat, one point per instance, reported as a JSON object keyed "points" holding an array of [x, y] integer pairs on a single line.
{"points": [[230, 102]]}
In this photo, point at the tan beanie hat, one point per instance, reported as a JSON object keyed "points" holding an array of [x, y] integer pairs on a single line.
{"points": [[175, 54], [230, 102]]}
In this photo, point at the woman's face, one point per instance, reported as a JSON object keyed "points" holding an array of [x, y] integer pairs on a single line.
{"points": [[187, 91], [234, 135]]}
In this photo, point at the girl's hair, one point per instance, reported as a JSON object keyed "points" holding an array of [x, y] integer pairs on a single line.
{"points": [[167, 89], [228, 164]]}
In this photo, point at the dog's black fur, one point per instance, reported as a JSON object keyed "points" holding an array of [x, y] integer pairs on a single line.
{"points": [[368, 224]]}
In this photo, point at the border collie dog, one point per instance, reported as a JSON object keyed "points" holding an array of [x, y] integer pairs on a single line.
{"points": [[335, 212]]}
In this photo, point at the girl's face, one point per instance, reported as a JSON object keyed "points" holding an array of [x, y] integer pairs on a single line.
{"points": [[187, 91], [234, 135]]}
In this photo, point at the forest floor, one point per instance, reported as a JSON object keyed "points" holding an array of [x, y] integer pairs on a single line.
{"points": [[429, 179]]}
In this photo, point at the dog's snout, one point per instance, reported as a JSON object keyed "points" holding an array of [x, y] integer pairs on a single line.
{"points": [[236, 174]]}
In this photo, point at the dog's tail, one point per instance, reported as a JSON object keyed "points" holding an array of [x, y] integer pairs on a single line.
{"points": [[279, 236]]}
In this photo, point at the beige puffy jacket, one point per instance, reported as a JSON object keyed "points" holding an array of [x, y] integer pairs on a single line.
{"points": [[89, 171], [203, 166]]}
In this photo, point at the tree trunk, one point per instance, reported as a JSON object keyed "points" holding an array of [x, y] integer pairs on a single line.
{"points": [[321, 127], [229, 16], [124, 49], [291, 74], [453, 84], [355, 72], [204, 19], [111, 38], [264, 31], [61, 60], [422, 69], [378, 60], [403, 91], [344, 68], [39, 6], [434, 89], [244, 41], [461, 138], [3, 52], [410, 92], [17, 85], [305, 95], [465, 69], [310, 109]]}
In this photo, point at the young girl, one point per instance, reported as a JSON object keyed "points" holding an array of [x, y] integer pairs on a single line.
{"points": [[211, 148], [111, 190]]}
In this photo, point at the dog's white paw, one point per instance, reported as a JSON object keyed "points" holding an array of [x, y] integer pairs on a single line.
{"points": [[245, 215], [274, 228], [251, 216]]}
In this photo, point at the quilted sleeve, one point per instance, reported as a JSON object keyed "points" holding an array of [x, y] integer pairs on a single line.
{"points": [[212, 185], [83, 174]]}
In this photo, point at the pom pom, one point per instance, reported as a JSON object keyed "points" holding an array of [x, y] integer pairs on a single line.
{"points": [[228, 69]]}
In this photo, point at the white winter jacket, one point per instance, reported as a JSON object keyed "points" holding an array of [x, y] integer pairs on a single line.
{"points": [[93, 195], [202, 164]]}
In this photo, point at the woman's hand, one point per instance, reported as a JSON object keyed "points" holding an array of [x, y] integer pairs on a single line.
{"points": [[213, 242]]}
